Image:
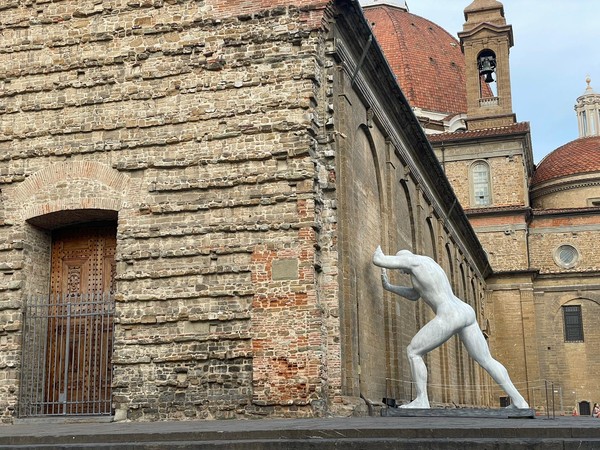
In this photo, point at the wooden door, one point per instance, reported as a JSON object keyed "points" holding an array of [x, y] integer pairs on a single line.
{"points": [[80, 328], [83, 260]]}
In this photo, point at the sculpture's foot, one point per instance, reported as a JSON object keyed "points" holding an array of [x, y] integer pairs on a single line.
{"points": [[417, 404]]}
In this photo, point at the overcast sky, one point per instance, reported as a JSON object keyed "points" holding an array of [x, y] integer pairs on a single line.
{"points": [[557, 45]]}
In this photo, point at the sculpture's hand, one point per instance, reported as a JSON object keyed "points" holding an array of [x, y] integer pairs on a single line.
{"points": [[378, 254], [384, 277]]}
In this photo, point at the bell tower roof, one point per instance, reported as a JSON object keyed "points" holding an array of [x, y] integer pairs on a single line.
{"points": [[481, 6], [485, 14]]}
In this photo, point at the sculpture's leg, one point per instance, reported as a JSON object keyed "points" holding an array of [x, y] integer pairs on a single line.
{"points": [[475, 343], [419, 376], [431, 336]]}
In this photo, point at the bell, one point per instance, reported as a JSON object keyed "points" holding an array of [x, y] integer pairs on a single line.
{"points": [[486, 67]]}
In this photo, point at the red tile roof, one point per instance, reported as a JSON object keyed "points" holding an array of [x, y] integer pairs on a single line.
{"points": [[579, 156], [426, 59], [517, 128]]}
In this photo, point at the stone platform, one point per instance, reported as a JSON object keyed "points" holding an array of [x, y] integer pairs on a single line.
{"points": [[495, 413]]}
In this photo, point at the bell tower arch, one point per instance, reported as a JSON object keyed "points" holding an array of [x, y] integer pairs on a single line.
{"points": [[486, 40]]}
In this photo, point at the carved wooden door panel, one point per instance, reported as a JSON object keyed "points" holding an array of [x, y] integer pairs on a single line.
{"points": [[80, 326], [83, 260]]}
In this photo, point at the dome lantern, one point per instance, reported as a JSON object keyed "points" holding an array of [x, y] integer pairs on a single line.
{"points": [[588, 112]]}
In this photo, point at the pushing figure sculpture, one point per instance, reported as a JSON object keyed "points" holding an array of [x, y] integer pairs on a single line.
{"points": [[452, 316]]}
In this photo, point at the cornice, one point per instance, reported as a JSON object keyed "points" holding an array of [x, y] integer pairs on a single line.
{"points": [[562, 187], [499, 211], [497, 29]]}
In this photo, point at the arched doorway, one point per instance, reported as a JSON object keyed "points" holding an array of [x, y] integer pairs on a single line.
{"points": [[68, 334]]}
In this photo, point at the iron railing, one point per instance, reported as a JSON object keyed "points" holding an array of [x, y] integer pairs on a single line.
{"points": [[66, 358]]}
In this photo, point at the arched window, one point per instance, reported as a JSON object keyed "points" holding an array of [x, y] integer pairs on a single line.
{"points": [[480, 184]]}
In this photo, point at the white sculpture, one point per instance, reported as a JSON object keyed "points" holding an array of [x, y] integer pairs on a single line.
{"points": [[452, 316]]}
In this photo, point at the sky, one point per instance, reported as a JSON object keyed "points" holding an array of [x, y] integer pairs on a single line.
{"points": [[557, 45]]}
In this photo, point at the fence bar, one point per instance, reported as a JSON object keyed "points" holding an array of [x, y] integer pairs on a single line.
{"points": [[547, 404], [553, 407]]}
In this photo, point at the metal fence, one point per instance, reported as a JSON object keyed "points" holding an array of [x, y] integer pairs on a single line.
{"points": [[67, 351]]}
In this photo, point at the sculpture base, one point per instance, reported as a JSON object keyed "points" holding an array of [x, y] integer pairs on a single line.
{"points": [[493, 413]]}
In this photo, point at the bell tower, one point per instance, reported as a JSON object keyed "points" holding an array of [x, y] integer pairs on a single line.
{"points": [[486, 40]]}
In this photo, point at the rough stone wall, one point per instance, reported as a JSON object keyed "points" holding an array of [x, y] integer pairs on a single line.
{"points": [[506, 184], [507, 249], [549, 232], [192, 120]]}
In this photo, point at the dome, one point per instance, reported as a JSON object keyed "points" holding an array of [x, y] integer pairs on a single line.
{"points": [[427, 61], [577, 157]]}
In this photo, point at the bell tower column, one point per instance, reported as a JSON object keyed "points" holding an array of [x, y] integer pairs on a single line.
{"points": [[486, 40]]}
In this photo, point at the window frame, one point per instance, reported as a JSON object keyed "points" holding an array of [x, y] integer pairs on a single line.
{"points": [[475, 184], [573, 331], [560, 262]]}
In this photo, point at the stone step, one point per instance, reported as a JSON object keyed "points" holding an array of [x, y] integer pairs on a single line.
{"points": [[344, 444], [381, 433]]}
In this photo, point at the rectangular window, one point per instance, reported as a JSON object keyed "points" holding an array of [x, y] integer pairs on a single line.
{"points": [[593, 202], [573, 323]]}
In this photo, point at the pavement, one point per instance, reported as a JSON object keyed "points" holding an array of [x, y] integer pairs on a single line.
{"points": [[341, 433]]}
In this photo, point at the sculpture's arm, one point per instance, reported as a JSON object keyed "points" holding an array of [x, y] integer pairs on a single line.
{"points": [[403, 291], [391, 262]]}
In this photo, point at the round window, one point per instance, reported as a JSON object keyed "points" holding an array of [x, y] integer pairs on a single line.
{"points": [[566, 256]]}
